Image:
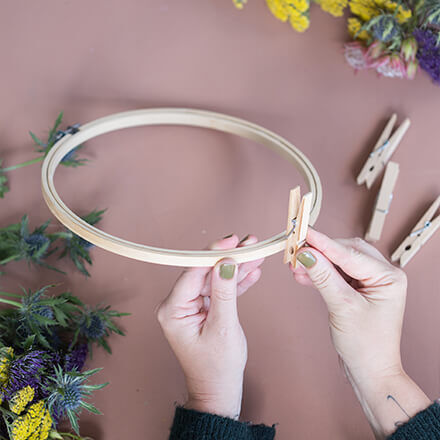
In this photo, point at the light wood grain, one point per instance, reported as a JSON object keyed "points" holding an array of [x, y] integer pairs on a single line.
{"points": [[173, 116]]}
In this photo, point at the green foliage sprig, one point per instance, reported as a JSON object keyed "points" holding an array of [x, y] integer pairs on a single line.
{"points": [[71, 159]]}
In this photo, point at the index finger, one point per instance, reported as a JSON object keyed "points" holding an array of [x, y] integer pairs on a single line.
{"points": [[351, 260]]}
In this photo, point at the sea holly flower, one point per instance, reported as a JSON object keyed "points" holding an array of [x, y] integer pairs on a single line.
{"points": [[378, 19], [35, 424], [20, 399], [76, 247], [36, 318], [55, 134], [430, 10], [384, 28], [96, 324], [17, 243], [67, 394]]}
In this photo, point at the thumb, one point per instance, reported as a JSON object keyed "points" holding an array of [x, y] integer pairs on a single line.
{"points": [[325, 277], [223, 304]]}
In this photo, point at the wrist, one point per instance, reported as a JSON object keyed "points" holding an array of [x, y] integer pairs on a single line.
{"points": [[389, 398], [220, 406], [222, 398]]}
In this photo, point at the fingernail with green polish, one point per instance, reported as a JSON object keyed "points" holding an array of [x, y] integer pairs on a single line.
{"points": [[307, 259], [227, 271], [228, 236], [244, 239]]}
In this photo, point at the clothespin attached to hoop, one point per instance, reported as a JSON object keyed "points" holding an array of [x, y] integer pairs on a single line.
{"points": [[383, 202], [420, 234], [382, 151], [297, 223]]}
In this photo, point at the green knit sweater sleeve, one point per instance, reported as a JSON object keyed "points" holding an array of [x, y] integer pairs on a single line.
{"points": [[194, 425], [425, 425]]}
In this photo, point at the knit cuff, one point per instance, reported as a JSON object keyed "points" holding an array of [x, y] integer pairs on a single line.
{"points": [[194, 425], [424, 425]]}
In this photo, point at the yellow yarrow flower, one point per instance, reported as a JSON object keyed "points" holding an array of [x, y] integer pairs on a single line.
{"points": [[300, 23], [367, 9], [20, 399], [334, 7], [354, 26], [403, 14], [294, 11], [35, 424], [239, 3], [6, 354]]}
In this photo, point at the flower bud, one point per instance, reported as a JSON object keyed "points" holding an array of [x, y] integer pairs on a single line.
{"points": [[411, 69], [375, 50], [408, 49]]}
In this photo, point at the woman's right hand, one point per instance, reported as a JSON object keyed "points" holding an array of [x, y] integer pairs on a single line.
{"points": [[365, 296]]}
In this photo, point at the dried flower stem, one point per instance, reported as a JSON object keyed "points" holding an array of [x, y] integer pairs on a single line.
{"points": [[23, 164]]}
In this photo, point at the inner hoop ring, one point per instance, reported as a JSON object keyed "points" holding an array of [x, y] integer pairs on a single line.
{"points": [[173, 116]]}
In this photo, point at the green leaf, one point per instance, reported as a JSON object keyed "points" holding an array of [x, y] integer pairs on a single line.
{"points": [[95, 387], [60, 316], [90, 407], [3, 184], [38, 141], [104, 344], [73, 420], [29, 341]]}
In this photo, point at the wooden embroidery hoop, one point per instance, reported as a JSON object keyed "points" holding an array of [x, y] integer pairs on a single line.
{"points": [[173, 116]]}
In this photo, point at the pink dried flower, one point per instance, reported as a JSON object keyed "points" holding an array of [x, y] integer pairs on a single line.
{"points": [[392, 66], [355, 54]]}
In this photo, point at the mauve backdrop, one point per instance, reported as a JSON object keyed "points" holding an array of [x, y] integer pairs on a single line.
{"points": [[183, 187]]}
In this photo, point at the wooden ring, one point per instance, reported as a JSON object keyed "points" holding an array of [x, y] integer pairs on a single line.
{"points": [[173, 116]]}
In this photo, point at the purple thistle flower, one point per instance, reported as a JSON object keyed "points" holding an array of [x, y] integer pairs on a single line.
{"points": [[26, 370], [76, 358], [428, 54]]}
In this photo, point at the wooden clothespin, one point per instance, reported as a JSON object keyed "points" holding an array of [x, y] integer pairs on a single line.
{"points": [[297, 223], [420, 234], [383, 202], [382, 151]]}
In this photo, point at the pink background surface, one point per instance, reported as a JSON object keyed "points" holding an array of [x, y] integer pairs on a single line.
{"points": [[183, 187]]}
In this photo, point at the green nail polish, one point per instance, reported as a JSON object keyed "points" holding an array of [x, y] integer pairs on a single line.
{"points": [[228, 236], [307, 259], [244, 239], [227, 271]]}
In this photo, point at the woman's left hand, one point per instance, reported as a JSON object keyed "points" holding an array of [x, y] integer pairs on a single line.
{"points": [[200, 321]]}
